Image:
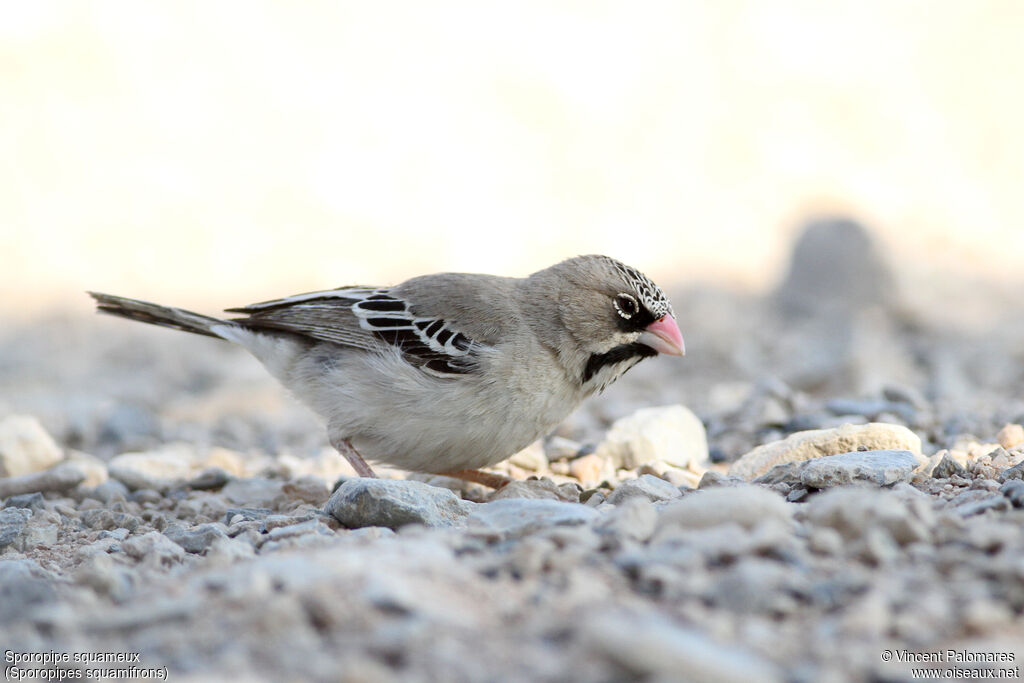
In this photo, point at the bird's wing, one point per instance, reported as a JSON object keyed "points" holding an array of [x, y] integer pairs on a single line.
{"points": [[367, 318]]}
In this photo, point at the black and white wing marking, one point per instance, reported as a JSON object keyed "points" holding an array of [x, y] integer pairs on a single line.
{"points": [[363, 317], [432, 341]]}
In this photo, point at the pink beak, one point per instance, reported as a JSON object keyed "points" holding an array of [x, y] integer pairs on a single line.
{"points": [[663, 336]]}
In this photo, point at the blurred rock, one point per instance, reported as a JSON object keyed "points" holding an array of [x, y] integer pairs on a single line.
{"points": [[531, 458], [746, 506], [394, 504], [592, 469], [1010, 436], [802, 446], [835, 269], [672, 434], [538, 489], [876, 467], [947, 467], [25, 447], [647, 486], [60, 478], [157, 470], [12, 524]]}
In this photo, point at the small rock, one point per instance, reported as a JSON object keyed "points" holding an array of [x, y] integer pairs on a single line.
{"points": [[947, 467], [95, 469], [1013, 489], [30, 501], [877, 467], [635, 518], [537, 489], [1015, 472], [647, 486], [157, 470], [746, 506], [1010, 435], [110, 491], [109, 519], [156, 545], [197, 539], [36, 536], [516, 517], [801, 446], [857, 513], [672, 434], [25, 447], [24, 587], [246, 514], [591, 469], [983, 505], [60, 478], [394, 503], [12, 524], [210, 478]]}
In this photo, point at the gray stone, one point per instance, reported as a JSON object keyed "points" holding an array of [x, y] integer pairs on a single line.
{"points": [[12, 524], [210, 478], [647, 486], [671, 434], [393, 503], [983, 505], [822, 442], [1013, 489], [876, 467], [538, 489], [246, 514], [516, 517], [31, 501], [634, 519], [109, 491], [25, 447], [197, 539], [36, 536], [1015, 472], [154, 545], [60, 478], [109, 519], [947, 467]]}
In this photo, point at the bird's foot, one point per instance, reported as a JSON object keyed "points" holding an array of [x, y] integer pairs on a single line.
{"points": [[349, 452], [495, 481]]}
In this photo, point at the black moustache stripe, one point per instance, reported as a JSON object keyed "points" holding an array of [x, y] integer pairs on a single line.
{"points": [[615, 356]]}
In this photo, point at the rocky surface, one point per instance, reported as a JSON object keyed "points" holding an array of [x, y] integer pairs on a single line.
{"points": [[780, 505]]}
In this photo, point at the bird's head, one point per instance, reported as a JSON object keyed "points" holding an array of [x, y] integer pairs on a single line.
{"points": [[614, 313]]}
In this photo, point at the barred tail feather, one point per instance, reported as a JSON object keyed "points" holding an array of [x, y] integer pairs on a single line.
{"points": [[154, 314]]}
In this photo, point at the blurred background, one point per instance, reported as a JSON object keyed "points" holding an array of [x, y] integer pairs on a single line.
{"points": [[221, 153], [214, 154]]}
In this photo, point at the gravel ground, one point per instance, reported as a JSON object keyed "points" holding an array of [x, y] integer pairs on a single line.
{"points": [[831, 478]]}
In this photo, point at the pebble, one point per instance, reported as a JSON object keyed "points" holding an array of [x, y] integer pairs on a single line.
{"points": [[253, 491], [1015, 472], [110, 491], [745, 505], [876, 467], [531, 458], [157, 470], [672, 434], [591, 469], [25, 447], [393, 503], [31, 501], [12, 524], [646, 486], [1010, 436], [196, 539], [807, 445], [1013, 489], [538, 489], [59, 478], [948, 467]]}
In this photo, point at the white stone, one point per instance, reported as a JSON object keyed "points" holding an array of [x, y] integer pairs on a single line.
{"points": [[157, 470], [25, 447], [672, 434]]}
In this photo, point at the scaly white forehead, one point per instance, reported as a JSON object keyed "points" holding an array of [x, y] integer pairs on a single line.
{"points": [[650, 295]]}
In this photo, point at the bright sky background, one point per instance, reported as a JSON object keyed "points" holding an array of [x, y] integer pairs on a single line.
{"points": [[228, 152]]}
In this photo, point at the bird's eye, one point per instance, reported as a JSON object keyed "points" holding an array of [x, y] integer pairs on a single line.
{"points": [[626, 305]]}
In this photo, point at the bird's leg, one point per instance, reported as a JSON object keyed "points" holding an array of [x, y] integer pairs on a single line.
{"points": [[495, 481], [349, 452]]}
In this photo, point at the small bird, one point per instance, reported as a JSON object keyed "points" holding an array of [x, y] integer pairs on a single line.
{"points": [[446, 373]]}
